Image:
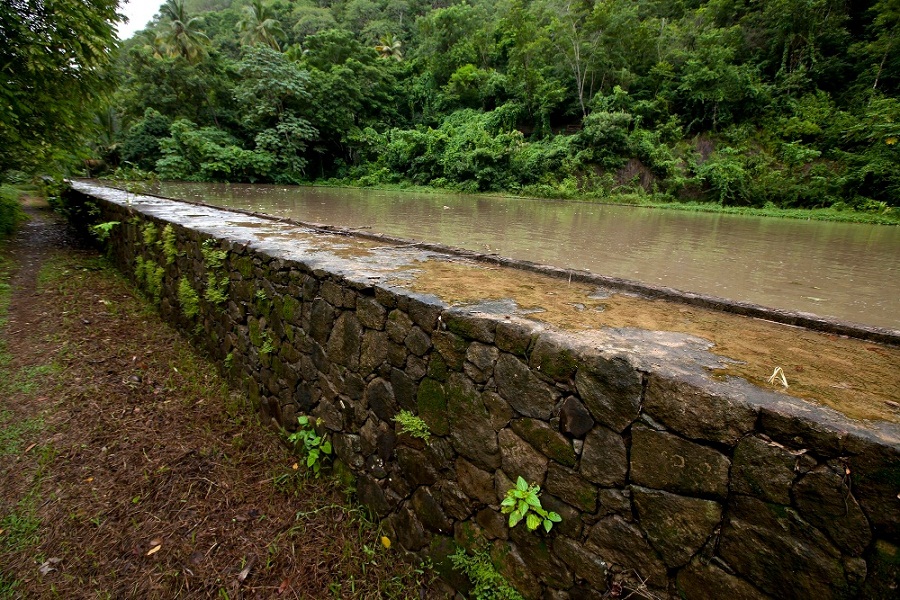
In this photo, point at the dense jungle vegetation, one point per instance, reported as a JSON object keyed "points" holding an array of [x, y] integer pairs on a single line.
{"points": [[785, 103]]}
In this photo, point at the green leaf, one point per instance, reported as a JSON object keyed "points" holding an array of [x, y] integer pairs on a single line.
{"points": [[326, 447], [521, 484], [548, 525], [509, 501], [514, 518], [532, 521], [533, 500], [554, 517]]}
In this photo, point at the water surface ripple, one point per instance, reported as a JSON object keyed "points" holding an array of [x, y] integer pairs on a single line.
{"points": [[844, 270]]}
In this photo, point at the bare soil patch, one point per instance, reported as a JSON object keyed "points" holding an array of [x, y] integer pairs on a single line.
{"points": [[129, 469], [859, 379]]}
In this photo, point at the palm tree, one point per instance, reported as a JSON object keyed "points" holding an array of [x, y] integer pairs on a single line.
{"points": [[390, 47], [259, 26], [184, 37]]}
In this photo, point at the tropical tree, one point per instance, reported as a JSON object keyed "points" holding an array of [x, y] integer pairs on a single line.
{"points": [[183, 37], [53, 69], [258, 26], [390, 47]]}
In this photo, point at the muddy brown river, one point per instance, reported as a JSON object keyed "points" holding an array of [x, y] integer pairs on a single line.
{"points": [[843, 270]]}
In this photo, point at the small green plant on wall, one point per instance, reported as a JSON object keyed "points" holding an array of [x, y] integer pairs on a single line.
{"points": [[524, 502], [188, 298], [413, 425], [487, 583], [101, 231], [170, 250], [316, 448]]}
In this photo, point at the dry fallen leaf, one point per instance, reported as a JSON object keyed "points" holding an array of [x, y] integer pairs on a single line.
{"points": [[295, 466], [386, 541], [154, 550], [47, 566], [89, 479], [284, 586], [29, 448]]}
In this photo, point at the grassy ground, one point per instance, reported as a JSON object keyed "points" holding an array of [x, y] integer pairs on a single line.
{"points": [[129, 469]]}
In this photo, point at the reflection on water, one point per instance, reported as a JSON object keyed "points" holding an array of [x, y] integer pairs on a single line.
{"points": [[843, 270]]}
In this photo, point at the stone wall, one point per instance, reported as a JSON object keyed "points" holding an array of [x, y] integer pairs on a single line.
{"points": [[669, 483]]}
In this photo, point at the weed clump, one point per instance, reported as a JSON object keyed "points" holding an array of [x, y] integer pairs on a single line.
{"points": [[188, 299], [487, 583]]}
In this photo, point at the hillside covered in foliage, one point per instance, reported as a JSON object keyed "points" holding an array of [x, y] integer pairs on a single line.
{"points": [[789, 103]]}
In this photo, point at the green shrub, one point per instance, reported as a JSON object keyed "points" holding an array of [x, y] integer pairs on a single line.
{"points": [[10, 210]]}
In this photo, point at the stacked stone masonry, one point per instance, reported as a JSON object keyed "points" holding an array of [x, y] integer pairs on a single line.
{"points": [[669, 483]]}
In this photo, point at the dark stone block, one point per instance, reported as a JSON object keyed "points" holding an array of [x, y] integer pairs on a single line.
{"points": [[470, 426], [432, 404], [493, 522], [553, 358], [455, 502], [574, 418], [514, 338], [477, 484], [373, 352], [763, 470], [499, 411], [780, 553], [405, 389], [482, 356], [883, 571], [332, 293], [451, 347], [585, 564], [824, 498], [371, 313], [675, 525], [418, 342], [520, 459], [541, 436], [347, 448], [697, 411], [398, 325], [570, 488], [470, 326], [535, 550], [520, 387], [371, 495], [664, 461], [604, 459], [424, 314], [397, 354], [416, 468], [321, 320], [874, 463], [611, 389], [437, 367], [701, 581], [408, 530], [429, 511], [571, 524], [380, 399], [510, 563], [416, 367], [616, 541], [345, 341]]}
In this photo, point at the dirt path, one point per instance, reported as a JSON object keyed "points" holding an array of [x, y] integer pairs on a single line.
{"points": [[128, 469]]}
